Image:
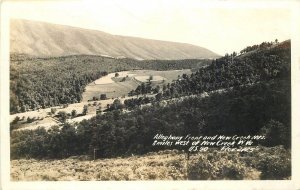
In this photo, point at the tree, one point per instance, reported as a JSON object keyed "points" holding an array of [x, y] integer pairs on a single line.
{"points": [[73, 113], [16, 120], [234, 54], [85, 110], [158, 97], [103, 97], [150, 78], [276, 134], [116, 105], [23, 108], [117, 74], [164, 87], [62, 116], [98, 110], [156, 89], [53, 110], [29, 120]]}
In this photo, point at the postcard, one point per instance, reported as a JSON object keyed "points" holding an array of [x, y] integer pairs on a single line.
{"points": [[149, 94]]}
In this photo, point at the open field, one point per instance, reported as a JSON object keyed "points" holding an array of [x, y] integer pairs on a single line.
{"points": [[119, 86], [46, 120], [146, 78], [113, 87]]}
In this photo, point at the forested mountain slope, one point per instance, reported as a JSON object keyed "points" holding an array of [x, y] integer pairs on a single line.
{"points": [[264, 62], [44, 82], [262, 106]]}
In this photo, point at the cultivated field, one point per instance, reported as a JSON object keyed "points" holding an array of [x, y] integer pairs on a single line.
{"points": [[113, 87], [119, 86]]}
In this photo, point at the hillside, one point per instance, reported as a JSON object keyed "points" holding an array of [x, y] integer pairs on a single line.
{"points": [[163, 165], [259, 65], [248, 94], [44, 82], [45, 39]]}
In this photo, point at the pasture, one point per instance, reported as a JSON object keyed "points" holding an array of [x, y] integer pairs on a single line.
{"points": [[126, 81]]}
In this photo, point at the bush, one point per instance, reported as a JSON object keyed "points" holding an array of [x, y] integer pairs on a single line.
{"points": [[85, 110], [276, 134], [53, 110], [200, 169], [217, 166], [16, 120], [74, 113], [275, 164], [234, 170], [62, 115]]}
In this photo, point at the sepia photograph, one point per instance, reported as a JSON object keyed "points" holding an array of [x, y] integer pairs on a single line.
{"points": [[139, 91]]}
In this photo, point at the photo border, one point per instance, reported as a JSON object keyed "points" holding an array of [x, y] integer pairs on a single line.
{"points": [[294, 183]]}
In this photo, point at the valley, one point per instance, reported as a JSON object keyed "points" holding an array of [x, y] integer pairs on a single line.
{"points": [[110, 85], [89, 111]]}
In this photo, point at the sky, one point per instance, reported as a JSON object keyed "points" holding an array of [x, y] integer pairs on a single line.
{"points": [[221, 26]]}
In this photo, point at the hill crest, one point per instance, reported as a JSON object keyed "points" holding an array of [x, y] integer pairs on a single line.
{"points": [[42, 39]]}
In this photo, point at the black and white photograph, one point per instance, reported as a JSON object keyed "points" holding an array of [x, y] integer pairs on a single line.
{"points": [[164, 90]]}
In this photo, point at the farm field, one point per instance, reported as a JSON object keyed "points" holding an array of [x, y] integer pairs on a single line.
{"points": [[109, 85], [126, 81]]}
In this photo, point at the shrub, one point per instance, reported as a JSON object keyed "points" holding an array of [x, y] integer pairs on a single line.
{"points": [[62, 116], [233, 170], [53, 110], [275, 165], [73, 113], [200, 169], [276, 134], [217, 166], [16, 120]]}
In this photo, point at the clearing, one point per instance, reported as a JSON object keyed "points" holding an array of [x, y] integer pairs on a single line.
{"points": [[126, 81], [114, 86]]}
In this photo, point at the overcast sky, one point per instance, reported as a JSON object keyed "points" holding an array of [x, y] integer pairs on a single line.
{"points": [[220, 26]]}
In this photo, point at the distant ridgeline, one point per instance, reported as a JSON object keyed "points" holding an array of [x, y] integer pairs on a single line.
{"points": [[256, 100], [44, 82]]}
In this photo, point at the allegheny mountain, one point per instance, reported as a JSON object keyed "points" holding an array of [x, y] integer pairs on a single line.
{"points": [[41, 39]]}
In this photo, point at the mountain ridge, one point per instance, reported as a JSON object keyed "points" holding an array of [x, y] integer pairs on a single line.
{"points": [[43, 39]]}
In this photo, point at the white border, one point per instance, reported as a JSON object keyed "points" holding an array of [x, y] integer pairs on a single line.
{"points": [[232, 185]]}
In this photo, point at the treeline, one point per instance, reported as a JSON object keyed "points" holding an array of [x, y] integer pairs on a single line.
{"points": [[229, 71], [44, 82], [263, 45], [137, 102], [263, 108]]}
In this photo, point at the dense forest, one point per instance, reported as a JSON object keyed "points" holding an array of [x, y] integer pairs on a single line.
{"points": [[260, 108], [243, 109], [44, 82], [262, 63]]}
